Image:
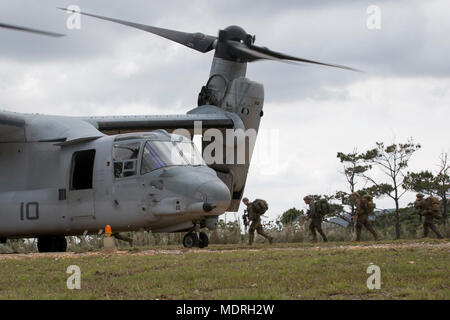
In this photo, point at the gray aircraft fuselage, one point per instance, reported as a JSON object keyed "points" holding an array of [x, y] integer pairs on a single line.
{"points": [[40, 194]]}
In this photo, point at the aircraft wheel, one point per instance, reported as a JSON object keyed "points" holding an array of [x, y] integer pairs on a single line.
{"points": [[52, 244], [190, 240], [203, 241], [61, 244], [43, 244]]}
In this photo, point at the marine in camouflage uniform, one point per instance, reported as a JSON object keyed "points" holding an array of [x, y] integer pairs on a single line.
{"points": [[362, 216], [428, 213], [255, 223], [316, 220]]}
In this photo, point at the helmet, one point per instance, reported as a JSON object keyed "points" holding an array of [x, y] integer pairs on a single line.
{"points": [[307, 198], [244, 199], [367, 197], [419, 195]]}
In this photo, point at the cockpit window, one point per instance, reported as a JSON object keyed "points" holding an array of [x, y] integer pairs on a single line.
{"points": [[126, 151], [159, 154], [125, 157], [190, 153]]}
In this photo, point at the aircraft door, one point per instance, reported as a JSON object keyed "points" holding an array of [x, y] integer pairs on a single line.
{"points": [[80, 198]]}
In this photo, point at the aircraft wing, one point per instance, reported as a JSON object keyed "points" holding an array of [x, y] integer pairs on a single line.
{"points": [[126, 124], [12, 127], [17, 127]]}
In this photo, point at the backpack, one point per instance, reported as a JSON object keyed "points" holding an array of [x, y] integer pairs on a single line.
{"points": [[370, 206], [323, 207], [432, 206], [260, 206]]}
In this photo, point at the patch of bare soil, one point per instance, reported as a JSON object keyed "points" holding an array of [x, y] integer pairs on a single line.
{"points": [[72, 255]]}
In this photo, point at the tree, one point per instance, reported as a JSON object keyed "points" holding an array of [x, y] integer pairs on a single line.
{"points": [[437, 184], [391, 160], [354, 166], [290, 216]]}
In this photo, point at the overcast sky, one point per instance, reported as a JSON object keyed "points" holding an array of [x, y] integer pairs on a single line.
{"points": [[311, 112]]}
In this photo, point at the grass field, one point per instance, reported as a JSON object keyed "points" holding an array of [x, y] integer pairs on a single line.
{"points": [[409, 270]]}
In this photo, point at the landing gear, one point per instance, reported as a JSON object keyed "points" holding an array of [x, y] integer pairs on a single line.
{"points": [[192, 240], [52, 244], [203, 241]]}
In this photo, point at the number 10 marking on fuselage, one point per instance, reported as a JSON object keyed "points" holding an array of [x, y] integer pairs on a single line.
{"points": [[31, 211]]}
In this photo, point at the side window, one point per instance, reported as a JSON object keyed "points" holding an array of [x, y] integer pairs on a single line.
{"points": [[125, 157], [82, 170]]}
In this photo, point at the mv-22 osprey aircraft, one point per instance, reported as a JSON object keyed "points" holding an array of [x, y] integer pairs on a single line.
{"points": [[62, 176]]}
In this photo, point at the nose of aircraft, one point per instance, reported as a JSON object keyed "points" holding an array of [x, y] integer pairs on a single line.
{"points": [[217, 194]]}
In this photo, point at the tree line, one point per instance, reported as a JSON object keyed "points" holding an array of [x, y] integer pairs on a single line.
{"points": [[382, 171]]}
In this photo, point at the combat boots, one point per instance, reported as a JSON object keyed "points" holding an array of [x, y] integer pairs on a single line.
{"points": [[251, 236], [324, 237]]}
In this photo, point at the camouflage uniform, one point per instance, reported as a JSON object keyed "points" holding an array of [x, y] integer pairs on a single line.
{"points": [[316, 222], [255, 225], [362, 217], [428, 213]]}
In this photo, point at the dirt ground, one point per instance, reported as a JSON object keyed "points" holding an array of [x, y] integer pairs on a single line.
{"points": [[178, 251]]}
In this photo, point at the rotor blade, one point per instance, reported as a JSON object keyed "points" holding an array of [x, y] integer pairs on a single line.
{"points": [[243, 51], [254, 53], [41, 32], [197, 41], [283, 56]]}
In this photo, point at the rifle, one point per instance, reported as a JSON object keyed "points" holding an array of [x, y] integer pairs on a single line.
{"points": [[308, 215], [245, 219]]}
